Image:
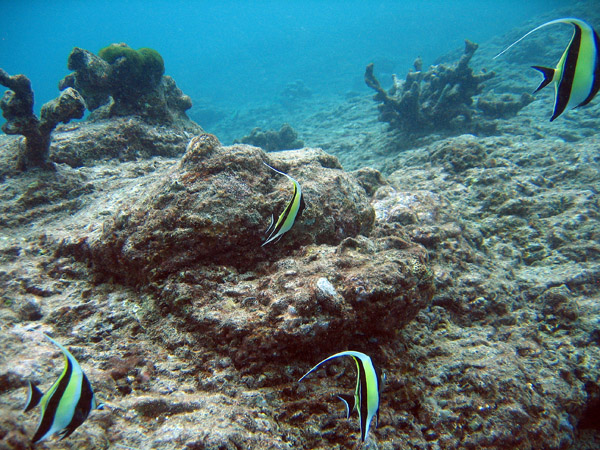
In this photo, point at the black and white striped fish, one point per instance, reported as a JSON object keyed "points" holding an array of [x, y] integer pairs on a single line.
{"points": [[67, 403], [369, 384], [577, 74], [286, 219]]}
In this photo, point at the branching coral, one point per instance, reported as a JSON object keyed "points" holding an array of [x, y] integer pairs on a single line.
{"points": [[17, 109], [439, 99]]}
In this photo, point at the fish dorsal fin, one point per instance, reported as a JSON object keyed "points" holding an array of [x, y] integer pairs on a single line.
{"points": [[548, 76], [569, 20], [33, 397], [349, 402]]}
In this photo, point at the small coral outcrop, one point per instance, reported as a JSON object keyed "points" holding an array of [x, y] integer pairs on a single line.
{"points": [[121, 81], [503, 106], [439, 99], [271, 140], [17, 109], [294, 93]]}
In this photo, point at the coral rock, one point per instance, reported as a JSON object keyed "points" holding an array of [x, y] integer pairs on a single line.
{"points": [[439, 99], [17, 108], [215, 206], [284, 139], [124, 82]]}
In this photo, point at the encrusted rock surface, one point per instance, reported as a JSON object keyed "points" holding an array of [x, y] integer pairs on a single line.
{"points": [[214, 207], [201, 353]]}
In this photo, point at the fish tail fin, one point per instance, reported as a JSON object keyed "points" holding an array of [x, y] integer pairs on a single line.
{"points": [[33, 397], [548, 76]]}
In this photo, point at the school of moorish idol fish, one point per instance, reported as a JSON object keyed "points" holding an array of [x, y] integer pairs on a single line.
{"points": [[70, 400]]}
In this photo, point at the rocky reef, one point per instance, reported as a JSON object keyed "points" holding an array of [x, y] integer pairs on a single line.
{"points": [[179, 241], [474, 290], [466, 268], [122, 81], [441, 99], [271, 140], [17, 109]]}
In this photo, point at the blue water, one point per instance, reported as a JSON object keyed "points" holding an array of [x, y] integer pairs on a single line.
{"points": [[236, 53]]}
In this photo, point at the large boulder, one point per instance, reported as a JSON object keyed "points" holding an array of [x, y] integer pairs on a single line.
{"points": [[215, 206]]}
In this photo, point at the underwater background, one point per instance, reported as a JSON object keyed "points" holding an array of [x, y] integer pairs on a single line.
{"points": [[235, 53], [304, 179]]}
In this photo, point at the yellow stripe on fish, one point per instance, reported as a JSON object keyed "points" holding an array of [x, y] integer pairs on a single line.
{"points": [[577, 74]]}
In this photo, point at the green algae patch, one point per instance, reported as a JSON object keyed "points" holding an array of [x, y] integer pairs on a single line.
{"points": [[143, 67]]}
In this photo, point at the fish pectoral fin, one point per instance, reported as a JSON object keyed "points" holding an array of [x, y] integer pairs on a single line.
{"points": [[349, 403], [33, 398], [548, 76]]}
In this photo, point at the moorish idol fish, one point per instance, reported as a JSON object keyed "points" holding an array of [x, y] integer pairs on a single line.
{"points": [[286, 219], [366, 395], [577, 74], [67, 403]]}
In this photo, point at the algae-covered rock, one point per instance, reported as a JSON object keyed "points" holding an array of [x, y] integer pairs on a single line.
{"points": [[122, 81], [138, 71]]}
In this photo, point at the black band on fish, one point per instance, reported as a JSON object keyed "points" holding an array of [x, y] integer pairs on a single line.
{"points": [[565, 84]]}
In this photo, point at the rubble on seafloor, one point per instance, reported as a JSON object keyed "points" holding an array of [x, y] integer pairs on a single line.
{"points": [[468, 273]]}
